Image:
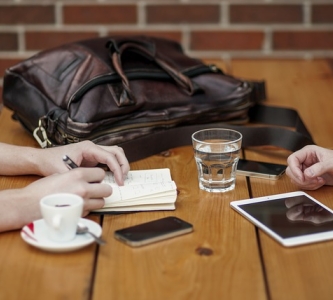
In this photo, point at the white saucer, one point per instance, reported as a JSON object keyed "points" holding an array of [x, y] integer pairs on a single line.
{"points": [[35, 235]]}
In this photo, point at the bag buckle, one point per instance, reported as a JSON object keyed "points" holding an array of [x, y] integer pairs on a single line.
{"points": [[41, 136]]}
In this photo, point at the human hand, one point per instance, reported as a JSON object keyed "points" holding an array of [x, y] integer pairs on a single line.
{"points": [[311, 167], [21, 206], [84, 182], [84, 154]]}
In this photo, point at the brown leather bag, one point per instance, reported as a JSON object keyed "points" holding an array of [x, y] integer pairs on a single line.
{"points": [[116, 90]]}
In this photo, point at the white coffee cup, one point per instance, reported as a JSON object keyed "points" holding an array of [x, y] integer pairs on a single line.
{"points": [[61, 213]]}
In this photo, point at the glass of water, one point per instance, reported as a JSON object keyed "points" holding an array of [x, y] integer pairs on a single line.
{"points": [[216, 153]]}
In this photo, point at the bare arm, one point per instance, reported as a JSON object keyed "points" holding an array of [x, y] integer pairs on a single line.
{"points": [[16, 160], [21, 206]]}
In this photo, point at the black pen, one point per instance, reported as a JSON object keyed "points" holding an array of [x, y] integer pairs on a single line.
{"points": [[69, 163]]}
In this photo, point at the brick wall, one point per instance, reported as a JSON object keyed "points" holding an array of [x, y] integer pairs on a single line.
{"points": [[206, 28]]}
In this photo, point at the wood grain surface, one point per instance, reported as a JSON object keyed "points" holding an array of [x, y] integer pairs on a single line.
{"points": [[226, 257]]}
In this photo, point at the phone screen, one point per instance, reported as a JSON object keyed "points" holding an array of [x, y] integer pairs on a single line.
{"points": [[260, 169], [153, 231]]}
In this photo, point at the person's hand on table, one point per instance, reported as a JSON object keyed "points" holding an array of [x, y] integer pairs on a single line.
{"points": [[85, 182], [24, 205], [85, 154], [21, 206], [311, 167]]}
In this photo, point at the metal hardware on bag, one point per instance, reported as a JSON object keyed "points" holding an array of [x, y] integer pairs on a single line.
{"points": [[214, 68], [43, 141], [71, 139], [68, 139]]}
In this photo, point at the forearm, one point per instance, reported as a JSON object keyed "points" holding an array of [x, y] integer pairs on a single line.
{"points": [[19, 207], [16, 211], [17, 160]]}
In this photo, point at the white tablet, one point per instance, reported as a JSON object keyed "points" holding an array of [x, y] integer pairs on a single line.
{"points": [[292, 218]]}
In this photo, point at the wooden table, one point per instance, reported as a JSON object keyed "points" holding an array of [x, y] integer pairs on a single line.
{"points": [[241, 262]]}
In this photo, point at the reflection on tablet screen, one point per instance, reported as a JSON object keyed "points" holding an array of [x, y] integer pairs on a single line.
{"points": [[292, 216]]}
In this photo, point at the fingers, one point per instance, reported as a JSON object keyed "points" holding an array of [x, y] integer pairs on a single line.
{"points": [[304, 168], [319, 169], [295, 166], [115, 158], [88, 154], [86, 174], [84, 182], [92, 204], [119, 156], [295, 174], [299, 161], [89, 188], [298, 178], [309, 184], [122, 160], [94, 199]]}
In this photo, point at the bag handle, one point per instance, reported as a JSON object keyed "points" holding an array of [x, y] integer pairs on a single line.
{"points": [[116, 52], [253, 136]]}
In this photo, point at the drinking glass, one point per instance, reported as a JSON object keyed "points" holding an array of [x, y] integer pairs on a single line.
{"points": [[216, 153]]}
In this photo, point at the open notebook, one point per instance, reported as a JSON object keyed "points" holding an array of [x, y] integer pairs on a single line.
{"points": [[142, 190]]}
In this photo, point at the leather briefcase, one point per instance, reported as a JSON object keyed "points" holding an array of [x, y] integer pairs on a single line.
{"points": [[110, 90], [116, 90]]}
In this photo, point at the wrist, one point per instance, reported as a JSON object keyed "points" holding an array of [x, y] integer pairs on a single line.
{"points": [[34, 161], [16, 210]]}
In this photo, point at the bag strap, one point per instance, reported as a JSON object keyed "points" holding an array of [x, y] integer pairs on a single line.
{"points": [[116, 52], [253, 135]]}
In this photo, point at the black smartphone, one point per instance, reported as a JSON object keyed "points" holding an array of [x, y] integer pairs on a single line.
{"points": [[153, 231], [260, 169]]}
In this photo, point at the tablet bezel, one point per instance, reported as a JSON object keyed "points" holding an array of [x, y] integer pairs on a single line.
{"points": [[287, 242]]}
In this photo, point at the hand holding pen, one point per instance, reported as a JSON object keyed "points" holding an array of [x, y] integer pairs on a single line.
{"points": [[69, 162], [72, 165], [119, 167]]}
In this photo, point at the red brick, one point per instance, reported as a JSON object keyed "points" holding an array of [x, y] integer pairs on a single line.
{"points": [[40, 40], [322, 13], [174, 14], [100, 14], [8, 41], [227, 40], [269, 13], [27, 14], [303, 40], [172, 35]]}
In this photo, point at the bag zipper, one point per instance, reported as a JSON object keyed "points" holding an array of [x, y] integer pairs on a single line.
{"points": [[110, 78], [69, 138]]}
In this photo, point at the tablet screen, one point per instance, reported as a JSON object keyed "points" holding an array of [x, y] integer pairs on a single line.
{"points": [[290, 216]]}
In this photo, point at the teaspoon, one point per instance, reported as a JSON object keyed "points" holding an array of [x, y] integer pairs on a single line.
{"points": [[82, 229]]}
